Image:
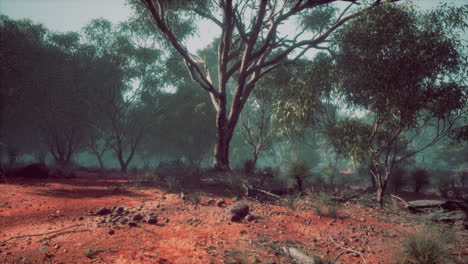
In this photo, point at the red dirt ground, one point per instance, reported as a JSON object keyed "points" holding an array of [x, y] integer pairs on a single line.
{"points": [[194, 234]]}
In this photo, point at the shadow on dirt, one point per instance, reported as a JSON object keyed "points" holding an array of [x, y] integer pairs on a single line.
{"points": [[79, 193]]}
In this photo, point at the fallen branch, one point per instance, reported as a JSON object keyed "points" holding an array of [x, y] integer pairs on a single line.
{"points": [[347, 250], [399, 198], [267, 193], [251, 188], [147, 230], [297, 255], [43, 234], [68, 232], [343, 198]]}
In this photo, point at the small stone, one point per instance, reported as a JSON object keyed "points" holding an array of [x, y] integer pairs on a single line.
{"points": [[137, 217], [238, 212], [211, 202], [80, 218], [111, 232], [57, 246], [243, 232], [165, 220], [119, 210], [220, 203], [123, 220], [102, 211], [152, 220], [132, 224], [250, 218]]}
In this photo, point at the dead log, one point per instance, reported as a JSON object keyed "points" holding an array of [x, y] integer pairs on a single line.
{"points": [[298, 256], [249, 188]]}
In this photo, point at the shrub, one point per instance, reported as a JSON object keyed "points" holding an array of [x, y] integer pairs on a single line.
{"points": [[420, 178], [427, 245], [194, 197], [249, 167], [299, 170], [324, 205], [327, 210], [236, 256], [290, 200], [397, 179]]}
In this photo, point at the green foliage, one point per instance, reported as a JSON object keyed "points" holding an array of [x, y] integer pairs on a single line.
{"points": [[51, 80], [420, 179], [318, 19], [178, 16], [350, 137], [391, 62], [299, 170], [300, 100], [290, 200], [427, 245]]}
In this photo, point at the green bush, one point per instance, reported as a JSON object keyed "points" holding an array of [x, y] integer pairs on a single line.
{"points": [[299, 170], [427, 245], [290, 200], [420, 179]]}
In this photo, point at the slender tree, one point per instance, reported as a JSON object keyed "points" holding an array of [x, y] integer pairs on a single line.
{"points": [[250, 46], [409, 75]]}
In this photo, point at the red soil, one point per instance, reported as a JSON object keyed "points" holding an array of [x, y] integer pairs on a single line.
{"points": [[194, 234]]}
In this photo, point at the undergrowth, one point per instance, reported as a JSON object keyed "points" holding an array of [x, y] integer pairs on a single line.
{"points": [[425, 245]]}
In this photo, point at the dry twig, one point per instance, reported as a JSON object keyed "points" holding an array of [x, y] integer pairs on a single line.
{"points": [[346, 250]]}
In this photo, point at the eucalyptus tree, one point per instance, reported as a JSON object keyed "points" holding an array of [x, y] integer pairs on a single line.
{"points": [[21, 46], [251, 45], [64, 112], [257, 124], [125, 117], [407, 69], [183, 131], [44, 75]]}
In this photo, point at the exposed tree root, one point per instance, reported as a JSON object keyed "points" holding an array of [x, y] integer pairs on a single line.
{"points": [[43, 234]]}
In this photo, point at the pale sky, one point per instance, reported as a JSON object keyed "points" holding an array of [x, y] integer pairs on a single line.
{"points": [[72, 15]]}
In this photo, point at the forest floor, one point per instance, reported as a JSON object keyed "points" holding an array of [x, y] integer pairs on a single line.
{"points": [[54, 221]]}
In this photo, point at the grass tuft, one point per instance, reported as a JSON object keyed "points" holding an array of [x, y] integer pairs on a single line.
{"points": [[426, 245], [236, 256]]}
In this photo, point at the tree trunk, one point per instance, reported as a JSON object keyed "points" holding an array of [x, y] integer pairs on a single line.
{"points": [[381, 187], [221, 155], [255, 157], [123, 166], [380, 194], [101, 163], [12, 157], [223, 138]]}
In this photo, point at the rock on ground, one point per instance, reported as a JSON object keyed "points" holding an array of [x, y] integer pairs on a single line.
{"points": [[238, 211]]}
